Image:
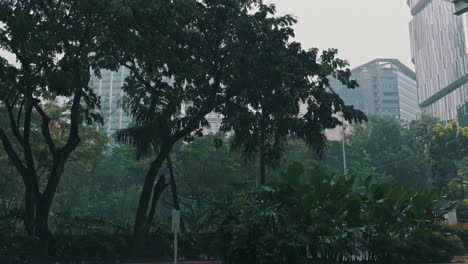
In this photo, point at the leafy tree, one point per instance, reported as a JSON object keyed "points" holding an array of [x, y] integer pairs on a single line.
{"points": [[52, 41], [190, 53], [203, 171], [252, 227], [397, 152], [281, 77], [418, 139], [358, 162], [448, 149], [104, 188], [10, 183]]}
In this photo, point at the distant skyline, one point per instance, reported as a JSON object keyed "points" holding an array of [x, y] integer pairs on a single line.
{"points": [[361, 30]]}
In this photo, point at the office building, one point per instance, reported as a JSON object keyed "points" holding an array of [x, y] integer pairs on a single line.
{"points": [[387, 88], [215, 121], [109, 88], [440, 54], [461, 6]]}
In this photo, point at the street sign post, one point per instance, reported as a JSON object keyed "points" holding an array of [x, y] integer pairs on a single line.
{"points": [[175, 229]]}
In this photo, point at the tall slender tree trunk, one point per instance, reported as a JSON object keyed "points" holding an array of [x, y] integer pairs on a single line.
{"points": [[44, 201], [158, 189], [30, 212], [175, 194], [36, 220], [262, 153], [143, 214], [42, 227]]}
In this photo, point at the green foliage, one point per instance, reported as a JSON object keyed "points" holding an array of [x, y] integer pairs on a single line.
{"points": [[252, 228], [280, 79], [459, 231], [358, 162], [395, 152], [449, 152], [108, 189], [189, 58], [53, 43], [92, 246], [335, 218], [202, 171]]}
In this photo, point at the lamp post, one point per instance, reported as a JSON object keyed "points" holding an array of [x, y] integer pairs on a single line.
{"points": [[345, 169]]}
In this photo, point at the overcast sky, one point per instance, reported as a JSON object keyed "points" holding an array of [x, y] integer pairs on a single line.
{"points": [[361, 30]]}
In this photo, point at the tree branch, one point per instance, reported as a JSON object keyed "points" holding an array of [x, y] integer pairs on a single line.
{"points": [[63, 154], [158, 189], [28, 154], [46, 129], [15, 125], [18, 117], [13, 156], [75, 120], [135, 72], [210, 103]]}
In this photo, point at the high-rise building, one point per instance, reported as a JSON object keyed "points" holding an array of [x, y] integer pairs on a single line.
{"points": [[387, 88], [109, 88], [461, 6], [215, 121], [439, 47]]}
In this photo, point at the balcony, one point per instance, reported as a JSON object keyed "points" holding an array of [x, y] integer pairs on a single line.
{"points": [[461, 6]]}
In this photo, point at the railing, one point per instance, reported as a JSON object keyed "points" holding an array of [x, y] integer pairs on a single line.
{"points": [[440, 218], [462, 218]]}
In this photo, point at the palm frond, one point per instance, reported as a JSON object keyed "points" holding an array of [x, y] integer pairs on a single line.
{"points": [[145, 139]]}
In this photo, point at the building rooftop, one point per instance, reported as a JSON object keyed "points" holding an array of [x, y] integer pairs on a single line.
{"points": [[402, 67]]}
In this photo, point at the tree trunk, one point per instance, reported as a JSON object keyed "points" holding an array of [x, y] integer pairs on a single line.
{"points": [[36, 221], [140, 237], [29, 211], [175, 194], [140, 228], [262, 159], [42, 228]]}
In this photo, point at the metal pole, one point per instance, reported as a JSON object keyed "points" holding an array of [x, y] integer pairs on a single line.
{"points": [[345, 169], [175, 247]]}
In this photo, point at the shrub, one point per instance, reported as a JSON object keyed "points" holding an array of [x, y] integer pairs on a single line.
{"points": [[336, 218]]}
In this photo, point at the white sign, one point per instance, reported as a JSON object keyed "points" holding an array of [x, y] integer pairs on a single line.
{"points": [[175, 221], [451, 217]]}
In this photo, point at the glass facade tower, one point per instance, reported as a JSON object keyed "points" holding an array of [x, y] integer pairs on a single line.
{"points": [[109, 88], [387, 88], [440, 53]]}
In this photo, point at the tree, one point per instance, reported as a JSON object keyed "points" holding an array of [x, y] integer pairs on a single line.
{"points": [[189, 53], [10, 182], [203, 170], [281, 77], [105, 187], [397, 152], [448, 149], [53, 42]]}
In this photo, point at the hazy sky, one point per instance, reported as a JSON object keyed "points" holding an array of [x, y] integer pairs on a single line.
{"points": [[361, 30]]}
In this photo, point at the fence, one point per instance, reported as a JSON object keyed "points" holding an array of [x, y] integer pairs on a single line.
{"points": [[440, 218]]}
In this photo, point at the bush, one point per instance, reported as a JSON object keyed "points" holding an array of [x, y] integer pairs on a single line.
{"points": [[93, 246], [459, 231], [337, 218]]}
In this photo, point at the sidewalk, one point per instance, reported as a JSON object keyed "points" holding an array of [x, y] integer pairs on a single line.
{"points": [[181, 262], [458, 259]]}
